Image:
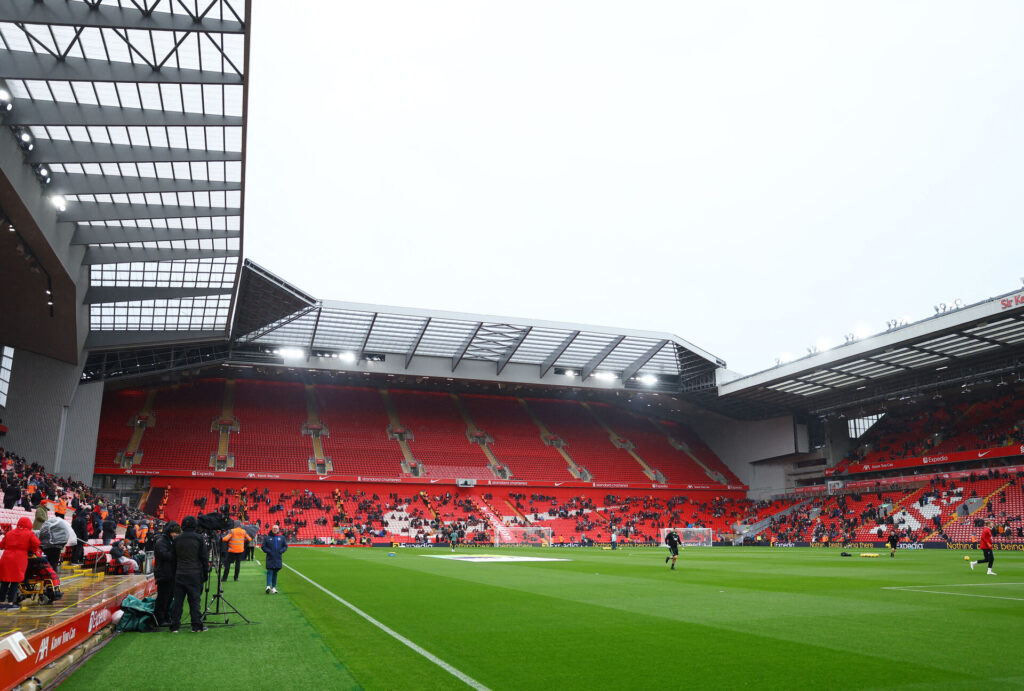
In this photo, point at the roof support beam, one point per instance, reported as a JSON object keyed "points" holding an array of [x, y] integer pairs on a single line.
{"points": [[366, 337], [551, 359], [105, 235], [97, 294], [461, 352], [416, 342], [634, 367], [60, 151], [79, 183], [312, 335], [595, 361], [62, 113], [507, 355], [19, 64], [110, 17], [127, 255], [106, 211]]}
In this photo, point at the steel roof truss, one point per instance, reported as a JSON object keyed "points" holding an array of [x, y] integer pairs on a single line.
{"points": [[457, 357]]}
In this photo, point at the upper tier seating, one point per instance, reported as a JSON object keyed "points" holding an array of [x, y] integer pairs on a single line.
{"points": [[439, 435], [270, 417], [587, 442], [181, 437], [358, 443], [517, 440]]}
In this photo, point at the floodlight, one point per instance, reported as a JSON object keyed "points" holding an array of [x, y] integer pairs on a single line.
{"points": [[649, 379], [5, 95], [291, 353], [59, 202], [347, 356], [26, 136], [606, 376], [570, 373]]}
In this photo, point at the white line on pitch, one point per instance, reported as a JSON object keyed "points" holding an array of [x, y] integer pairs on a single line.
{"points": [[465, 678], [946, 585], [941, 592]]}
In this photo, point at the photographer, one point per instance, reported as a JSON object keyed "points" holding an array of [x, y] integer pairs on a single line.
{"points": [[163, 571], [192, 564]]}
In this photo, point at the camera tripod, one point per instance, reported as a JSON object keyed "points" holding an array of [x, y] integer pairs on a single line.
{"points": [[215, 605]]}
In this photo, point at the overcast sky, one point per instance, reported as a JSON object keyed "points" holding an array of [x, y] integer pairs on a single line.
{"points": [[751, 176]]}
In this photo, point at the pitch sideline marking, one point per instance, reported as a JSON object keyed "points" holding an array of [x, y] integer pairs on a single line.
{"points": [[917, 589], [461, 676]]}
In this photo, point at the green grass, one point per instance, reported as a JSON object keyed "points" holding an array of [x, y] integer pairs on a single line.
{"points": [[725, 618]]}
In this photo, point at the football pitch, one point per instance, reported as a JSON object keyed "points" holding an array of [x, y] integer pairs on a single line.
{"points": [[598, 619]]}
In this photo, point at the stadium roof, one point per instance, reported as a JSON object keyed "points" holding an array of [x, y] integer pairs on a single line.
{"points": [[961, 346], [132, 116], [273, 315]]}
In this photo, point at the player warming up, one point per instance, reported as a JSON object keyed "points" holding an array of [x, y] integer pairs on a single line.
{"points": [[672, 540], [985, 545], [893, 541]]}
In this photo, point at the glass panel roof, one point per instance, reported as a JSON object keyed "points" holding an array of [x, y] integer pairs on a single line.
{"points": [[134, 118]]}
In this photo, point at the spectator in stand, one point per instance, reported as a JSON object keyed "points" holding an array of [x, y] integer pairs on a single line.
{"points": [[109, 526], [118, 554], [54, 536], [41, 516], [274, 546], [17, 545], [12, 494], [131, 536], [80, 524]]}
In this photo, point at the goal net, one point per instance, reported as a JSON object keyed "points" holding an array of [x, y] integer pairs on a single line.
{"points": [[531, 536], [690, 537]]}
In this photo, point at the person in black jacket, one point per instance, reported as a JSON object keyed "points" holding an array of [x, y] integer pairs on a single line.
{"points": [[80, 524], [131, 536], [163, 571], [109, 529], [192, 566]]}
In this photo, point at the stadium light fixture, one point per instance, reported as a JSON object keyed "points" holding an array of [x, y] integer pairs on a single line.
{"points": [[649, 379], [570, 373], [291, 353], [59, 202], [25, 139], [6, 100], [347, 356], [604, 376]]}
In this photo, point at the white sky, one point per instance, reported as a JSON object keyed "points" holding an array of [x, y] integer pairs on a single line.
{"points": [[751, 176]]}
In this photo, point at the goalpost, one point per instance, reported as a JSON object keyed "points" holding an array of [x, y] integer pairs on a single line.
{"points": [[531, 536], [690, 537]]}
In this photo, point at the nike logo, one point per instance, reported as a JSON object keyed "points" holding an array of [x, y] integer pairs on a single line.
{"points": [[558, 484], [983, 454], [433, 481], [322, 477]]}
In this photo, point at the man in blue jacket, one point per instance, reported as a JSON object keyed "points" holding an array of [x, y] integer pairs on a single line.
{"points": [[274, 545]]}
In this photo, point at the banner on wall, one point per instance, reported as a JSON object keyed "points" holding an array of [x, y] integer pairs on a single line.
{"points": [[306, 477], [953, 457]]}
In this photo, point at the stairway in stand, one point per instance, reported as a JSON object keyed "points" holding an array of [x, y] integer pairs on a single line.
{"points": [[224, 425], [556, 442], [315, 429], [626, 445], [145, 419]]}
